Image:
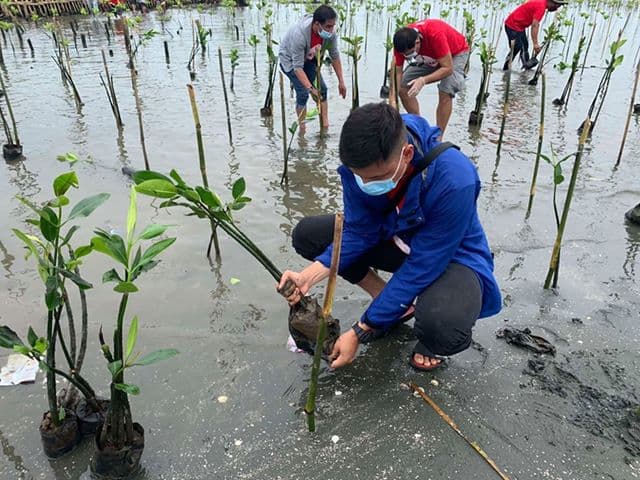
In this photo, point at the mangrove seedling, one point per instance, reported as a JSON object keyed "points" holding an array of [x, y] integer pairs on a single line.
{"points": [[233, 57], [561, 222], [253, 42], [203, 36], [551, 34], [566, 92], [470, 34], [304, 317], [505, 105], [615, 60], [120, 441], [487, 58], [12, 149], [631, 110], [110, 90], [353, 51], [267, 108], [58, 262]]}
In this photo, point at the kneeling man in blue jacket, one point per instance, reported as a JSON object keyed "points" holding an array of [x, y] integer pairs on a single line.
{"points": [[410, 214]]}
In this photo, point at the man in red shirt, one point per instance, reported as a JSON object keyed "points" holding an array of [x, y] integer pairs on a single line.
{"points": [[527, 15], [436, 52]]}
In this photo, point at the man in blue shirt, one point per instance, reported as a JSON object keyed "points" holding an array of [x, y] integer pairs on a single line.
{"points": [[419, 222]]}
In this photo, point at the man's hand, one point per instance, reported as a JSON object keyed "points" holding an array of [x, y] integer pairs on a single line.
{"points": [[345, 349], [342, 89], [298, 286], [416, 86], [314, 94], [536, 48]]}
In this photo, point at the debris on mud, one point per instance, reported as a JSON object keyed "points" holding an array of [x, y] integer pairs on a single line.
{"points": [[524, 339]]}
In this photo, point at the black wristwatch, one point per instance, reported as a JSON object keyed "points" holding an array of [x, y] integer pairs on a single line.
{"points": [[364, 336]]}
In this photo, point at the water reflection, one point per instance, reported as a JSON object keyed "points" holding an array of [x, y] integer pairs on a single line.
{"points": [[7, 260], [10, 454]]}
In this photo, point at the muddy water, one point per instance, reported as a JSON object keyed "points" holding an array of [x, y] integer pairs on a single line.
{"points": [[572, 416]]}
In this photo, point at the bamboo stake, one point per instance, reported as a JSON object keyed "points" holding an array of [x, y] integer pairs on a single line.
{"points": [[456, 429], [285, 150], [16, 140], [203, 167], [322, 328], [626, 126], [134, 85], [555, 254], [226, 99], [532, 191]]}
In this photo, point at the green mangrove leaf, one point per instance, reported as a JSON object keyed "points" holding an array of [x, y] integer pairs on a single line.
{"points": [[558, 178], [64, 182], [8, 338], [125, 287], [111, 276], [28, 241], [178, 179], [132, 337], [144, 175], [112, 246], [86, 206], [234, 281], [29, 204], [210, 199], [32, 338], [155, 249], [153, 231], [70, 233], [127, 388], [49, 224], [156, 356], [238, 188], [157, 188], [131, 216], [62, 414], [75, 278], [52, 295], [82, 251], [189, 193], [22, 349], [115, 367], [44, 367]]}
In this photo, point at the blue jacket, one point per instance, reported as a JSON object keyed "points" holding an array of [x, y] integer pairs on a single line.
{"points": [[438, 220]]}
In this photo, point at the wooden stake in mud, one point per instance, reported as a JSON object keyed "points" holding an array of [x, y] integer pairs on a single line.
{"points": [[532, 190], [106, 29], [631, 103], [203, 166], [83, 39], [310, 407], [456, 429], [226, 99], [166, 52], [552, 273], [33, 54], [136, 96]]}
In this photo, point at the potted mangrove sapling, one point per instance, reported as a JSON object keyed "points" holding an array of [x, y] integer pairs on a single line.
{"points": [[59, 429], [120, 441]]}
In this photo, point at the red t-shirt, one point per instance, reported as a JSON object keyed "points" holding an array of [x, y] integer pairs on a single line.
{"points": [[316, 45], [438, 39], [523, 16]]}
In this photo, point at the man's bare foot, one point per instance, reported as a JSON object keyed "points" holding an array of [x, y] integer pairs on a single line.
{"points": [[427, 363]]}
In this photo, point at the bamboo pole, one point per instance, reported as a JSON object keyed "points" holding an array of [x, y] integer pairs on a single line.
{"points": [[532, 190], [456, 429], [134, 85], [203, 166], [226, 99], [555, 254], [322, 327], [626, 126]]}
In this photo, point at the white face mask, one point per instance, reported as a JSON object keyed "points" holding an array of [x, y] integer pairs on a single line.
{"points": [[380, 187]]}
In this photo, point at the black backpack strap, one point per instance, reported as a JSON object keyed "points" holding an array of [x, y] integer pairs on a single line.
{"points": [[419, 167]]}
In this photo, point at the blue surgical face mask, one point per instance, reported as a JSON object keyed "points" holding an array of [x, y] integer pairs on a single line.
{"points": [[379, 187], [324, 34]]}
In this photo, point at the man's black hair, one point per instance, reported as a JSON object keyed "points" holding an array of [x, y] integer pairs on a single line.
{"points": [[324, 13], [404, 39], [370, 134]]}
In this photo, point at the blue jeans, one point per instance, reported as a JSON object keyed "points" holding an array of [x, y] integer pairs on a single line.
{"points": [[302, 94]]}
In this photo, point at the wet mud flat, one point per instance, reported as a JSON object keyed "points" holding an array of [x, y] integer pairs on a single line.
{"points": [[572, 416]]}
